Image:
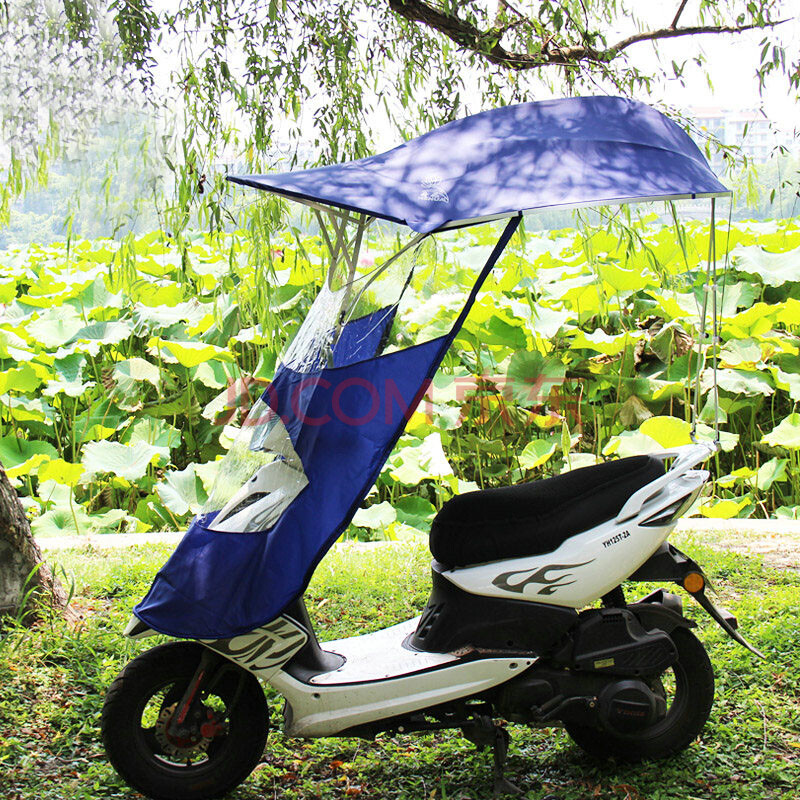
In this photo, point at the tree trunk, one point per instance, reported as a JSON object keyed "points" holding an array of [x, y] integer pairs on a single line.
{"points": [[19, 557]]}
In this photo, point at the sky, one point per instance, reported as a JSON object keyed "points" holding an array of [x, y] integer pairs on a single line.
{"points": [[731, 64]]}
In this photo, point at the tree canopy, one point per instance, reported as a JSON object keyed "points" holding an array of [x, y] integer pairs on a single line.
{"points": [[242, 75]]}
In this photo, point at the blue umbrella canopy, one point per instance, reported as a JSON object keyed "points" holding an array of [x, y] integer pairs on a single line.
{"points": [[312, 447], [574, 151]]}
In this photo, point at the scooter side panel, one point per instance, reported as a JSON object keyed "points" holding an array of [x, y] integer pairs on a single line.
{"points": [[326, 710], [585, 566]]}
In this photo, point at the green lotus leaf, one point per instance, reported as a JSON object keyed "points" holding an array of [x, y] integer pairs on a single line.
{"points": [[376, 517], [55, 327], [737, 381], [99, 421], [29, 409], [128, 375], [580, 460], [735, 296], [154, 318], [28, 467], [14, 347], [785, 434], [126, 461], [68, 388], [724, 509], [536, 453], [740, 352], [774, 269], [91, 338], [152, 430], [188, 354], [265, 369], [8, 290], [532, 376], [669, 432], [70, 368], [115, 520], [61, 521], [753, 321], [415, 511], [621, 279], [546, 322], [50, 494], [61, 472], [212, 374], [155, 295], [20, 379], [607, 344], [787, 381], [631, 443], [282, 298], [787, 512], [737, 476], [768, 473], [423, 459], [207, 473], [727, 440], [96, 296], [182, 491], [68, 380]]}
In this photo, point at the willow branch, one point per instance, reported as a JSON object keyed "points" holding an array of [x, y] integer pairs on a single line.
{"points": [[678, 14], [486, 43]]}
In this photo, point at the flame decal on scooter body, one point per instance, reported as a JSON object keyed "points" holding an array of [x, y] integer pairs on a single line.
{"points": [[549, 585], [265, 650]]}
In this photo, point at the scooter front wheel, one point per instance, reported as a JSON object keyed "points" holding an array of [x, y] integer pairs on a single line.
{"points": [[214, 754], [688, 690]]}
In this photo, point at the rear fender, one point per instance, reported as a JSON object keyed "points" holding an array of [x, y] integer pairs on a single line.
{"points": [[670, 564], [661, 610]]}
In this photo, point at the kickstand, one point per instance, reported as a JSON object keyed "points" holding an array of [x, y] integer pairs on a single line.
{"points": [[500, 751]]}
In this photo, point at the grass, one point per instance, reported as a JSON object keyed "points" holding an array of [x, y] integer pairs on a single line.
{"points": [[52, 682]]}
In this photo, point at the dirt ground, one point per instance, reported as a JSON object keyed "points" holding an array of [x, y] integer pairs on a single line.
{"points": [[777, 541], [778, 550]]}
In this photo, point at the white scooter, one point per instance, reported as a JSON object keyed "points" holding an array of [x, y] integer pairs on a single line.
{"points": [[501, 636]]}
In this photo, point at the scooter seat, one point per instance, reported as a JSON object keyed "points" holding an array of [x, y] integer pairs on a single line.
{"points": [[534, 518]]}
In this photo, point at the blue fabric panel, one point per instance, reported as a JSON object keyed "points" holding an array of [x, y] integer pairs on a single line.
{"points": [[343, 422], [532, 155], [362, 338]]}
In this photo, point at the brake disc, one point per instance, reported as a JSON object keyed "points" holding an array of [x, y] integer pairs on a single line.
{"points": [[178, 747]]}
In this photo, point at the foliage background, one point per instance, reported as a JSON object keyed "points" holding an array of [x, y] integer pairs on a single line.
{"points": [[145, 306], [127, 366]]}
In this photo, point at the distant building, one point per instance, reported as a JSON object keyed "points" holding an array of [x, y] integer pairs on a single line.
{"points": [[745, 128]]}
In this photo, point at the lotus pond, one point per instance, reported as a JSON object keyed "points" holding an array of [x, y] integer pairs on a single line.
{"points": [[127, 366]]}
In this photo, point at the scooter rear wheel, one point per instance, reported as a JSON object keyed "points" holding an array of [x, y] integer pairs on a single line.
{"points": [[139, 744], [688, 688]]}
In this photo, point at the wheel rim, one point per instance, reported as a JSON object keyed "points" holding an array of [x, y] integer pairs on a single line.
{"points": [[673, 686], [193, 751]]}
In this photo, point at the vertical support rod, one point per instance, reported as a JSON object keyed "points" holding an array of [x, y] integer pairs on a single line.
{"points": [[715, 313]]}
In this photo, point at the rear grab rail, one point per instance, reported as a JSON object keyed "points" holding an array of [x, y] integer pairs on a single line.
{"points": [[686, 457]]}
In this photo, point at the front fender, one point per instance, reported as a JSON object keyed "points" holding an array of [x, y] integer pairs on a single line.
{"points": [[136, 629]]}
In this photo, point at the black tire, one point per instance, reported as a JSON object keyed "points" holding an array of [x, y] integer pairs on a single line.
{"points": [[686, 713], [155, 681]]}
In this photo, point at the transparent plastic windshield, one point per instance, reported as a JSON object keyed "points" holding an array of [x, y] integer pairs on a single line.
{"points": [[385, 289]]}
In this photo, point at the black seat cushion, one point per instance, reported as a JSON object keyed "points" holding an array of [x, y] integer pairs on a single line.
{"points": [[534, 518]]}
